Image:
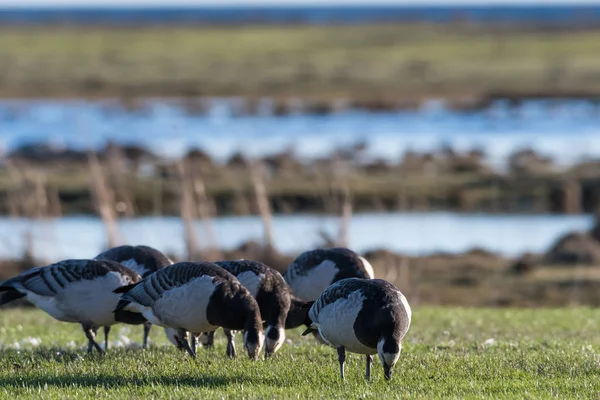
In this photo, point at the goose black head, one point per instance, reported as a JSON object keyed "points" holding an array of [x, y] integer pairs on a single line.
{"points": [[388, 350], [253, 327], [253, 342], [275, 336]]}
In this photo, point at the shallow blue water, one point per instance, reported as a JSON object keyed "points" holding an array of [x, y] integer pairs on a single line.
{"points": [[568, 131], [570, 12], [410, 233]]}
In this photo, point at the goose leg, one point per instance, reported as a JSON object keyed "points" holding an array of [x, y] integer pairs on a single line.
{"points": [[90, 333], [341, 358], [230, 343], [209, 339], [147, 326], [90, 344], [184, 343], [194, 341], [106, 331], [369, 362]]}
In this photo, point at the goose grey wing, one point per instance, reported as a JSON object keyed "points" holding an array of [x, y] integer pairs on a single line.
{"points": [[48, 281], [236, 267], [167, 278], [338, 290]]}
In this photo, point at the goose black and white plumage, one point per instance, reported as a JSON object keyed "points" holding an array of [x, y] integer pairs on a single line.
{"points": [[196, 297], [144, 260], [74, 291], [314, 270], [364, 316], [272, 294]]}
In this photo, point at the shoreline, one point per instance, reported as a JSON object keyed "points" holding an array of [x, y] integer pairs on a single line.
{"points": [[282, 105]]}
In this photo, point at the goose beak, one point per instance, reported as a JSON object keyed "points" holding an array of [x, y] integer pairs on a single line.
{"points": [[310, 329], [387, 372]]}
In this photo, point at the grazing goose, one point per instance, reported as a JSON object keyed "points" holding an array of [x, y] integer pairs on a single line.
{"points": [[314, 270], [74, 291], [196, 297], [144, 260], [364, 316], [272, 294]]}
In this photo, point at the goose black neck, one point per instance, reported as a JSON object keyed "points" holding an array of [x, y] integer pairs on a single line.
{"points": [[298, 314]]}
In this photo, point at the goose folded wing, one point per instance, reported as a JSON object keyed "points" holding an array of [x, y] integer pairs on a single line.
{"points": [[338, 290], [47, 281]]}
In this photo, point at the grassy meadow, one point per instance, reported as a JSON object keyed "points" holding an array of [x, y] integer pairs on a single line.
{"points": [[448, 353], [403, 61]]}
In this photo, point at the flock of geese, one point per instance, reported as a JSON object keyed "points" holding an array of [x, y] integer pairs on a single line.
{"points": [[332, 292]]}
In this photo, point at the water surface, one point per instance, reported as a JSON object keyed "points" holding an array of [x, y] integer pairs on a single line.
{"points": [[410, 233], [566, 130]]}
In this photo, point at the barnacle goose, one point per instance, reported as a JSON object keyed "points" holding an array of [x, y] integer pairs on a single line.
{"points": [[364, 316], [144, 260], [196, 297], [74, 291], [314, 270], [272, 294]]}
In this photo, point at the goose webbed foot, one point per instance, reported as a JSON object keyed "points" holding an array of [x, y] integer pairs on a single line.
{"points": [[90, 333], [182, 338]]}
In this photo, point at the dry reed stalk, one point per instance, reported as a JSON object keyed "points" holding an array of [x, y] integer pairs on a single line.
{"points": [[262, 200], [103, 199], [572, 190], [326, 181], [345, 217], [42, 203], [187, 211], [341, 187], [204, 211], [118, 171], [157, 198], [16, 202], [54, 200]]}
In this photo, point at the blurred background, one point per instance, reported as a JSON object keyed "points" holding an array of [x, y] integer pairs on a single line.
{"points": [[454, 145]]}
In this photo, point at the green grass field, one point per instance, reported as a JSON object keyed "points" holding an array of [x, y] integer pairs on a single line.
{"points": [[448, 353], [357, 61]]}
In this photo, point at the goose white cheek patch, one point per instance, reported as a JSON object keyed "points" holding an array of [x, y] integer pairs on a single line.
{"points": [[274, 344], [389, 359]]}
